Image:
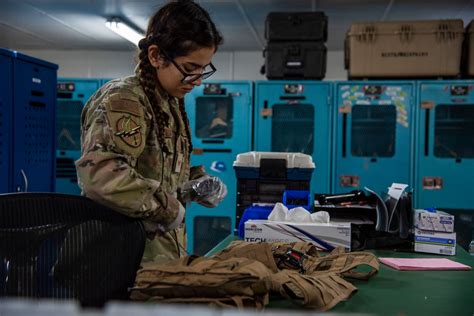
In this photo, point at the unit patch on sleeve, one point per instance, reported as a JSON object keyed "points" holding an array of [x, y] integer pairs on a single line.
{"points": [[129, 131]]}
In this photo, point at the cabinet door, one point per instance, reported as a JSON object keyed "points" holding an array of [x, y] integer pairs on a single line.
{"points": [[445, 145], [220, 121], [34, 112], [373, 134], [72, 95], [296, 117], [5, 122]]}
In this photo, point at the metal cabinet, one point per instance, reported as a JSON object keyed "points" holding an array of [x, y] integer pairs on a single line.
{"points": [[34, 109], [295, 116], [445, 145], [373, 134], [72, 95], [220, 115], [6, 107]]}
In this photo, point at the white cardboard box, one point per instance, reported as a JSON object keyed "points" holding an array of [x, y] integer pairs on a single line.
{"points": [[434, 221], [324, 236], [435, 242]]}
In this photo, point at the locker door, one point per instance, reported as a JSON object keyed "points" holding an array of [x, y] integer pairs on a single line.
{"points": [[34, 125], [445, 145], [373, 127], [72, 95], [5, 121], [220, 120], [296, 117]]}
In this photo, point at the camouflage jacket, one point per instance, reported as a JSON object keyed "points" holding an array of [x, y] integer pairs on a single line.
{"points": [[123, 165]]}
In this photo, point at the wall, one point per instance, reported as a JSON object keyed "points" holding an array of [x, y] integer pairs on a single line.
{"points": [[238, 65]]}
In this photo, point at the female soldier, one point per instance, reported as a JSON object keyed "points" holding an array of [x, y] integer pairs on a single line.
{"points": [[136, 140]]}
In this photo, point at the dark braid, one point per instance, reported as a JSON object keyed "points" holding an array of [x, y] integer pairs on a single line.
{"points": [[147, 76], [184, 115], [178, 28]]}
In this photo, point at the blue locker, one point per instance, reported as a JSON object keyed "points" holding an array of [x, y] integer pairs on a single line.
{"points": [[34, 104], [295, 116], [6, 88], [220, 115], [72, 95], [373, 132], [445, 145]]}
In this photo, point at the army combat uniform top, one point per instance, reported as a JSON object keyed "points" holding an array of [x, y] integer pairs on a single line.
{"points": [[124, 167]]}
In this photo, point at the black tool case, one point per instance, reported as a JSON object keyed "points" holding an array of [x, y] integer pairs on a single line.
{"points": [[295, 60], [296, 26]]}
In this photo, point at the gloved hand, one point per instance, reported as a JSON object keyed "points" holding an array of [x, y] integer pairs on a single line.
{"points": [[207, 190]]}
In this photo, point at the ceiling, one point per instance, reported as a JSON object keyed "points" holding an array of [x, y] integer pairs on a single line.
{"points": [[80, 24]]}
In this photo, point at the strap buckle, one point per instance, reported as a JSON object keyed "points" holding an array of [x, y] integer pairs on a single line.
{"points": [[292, 259]]}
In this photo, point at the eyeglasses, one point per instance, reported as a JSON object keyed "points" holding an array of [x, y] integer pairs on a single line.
{"points": [[206, 72]]}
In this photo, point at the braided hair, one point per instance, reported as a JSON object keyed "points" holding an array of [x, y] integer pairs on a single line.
{"points": [[178, 28]]}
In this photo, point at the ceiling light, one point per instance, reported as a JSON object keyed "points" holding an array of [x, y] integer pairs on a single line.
{"points": [[124, 30]]}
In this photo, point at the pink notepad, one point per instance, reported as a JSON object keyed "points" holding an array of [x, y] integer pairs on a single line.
{"points": [[424, 264]]}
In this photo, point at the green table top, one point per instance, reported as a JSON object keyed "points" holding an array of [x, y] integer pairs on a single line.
{"points": [[393, 292]]}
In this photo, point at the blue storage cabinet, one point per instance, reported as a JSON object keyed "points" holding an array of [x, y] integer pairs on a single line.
{"points": [[34, 110], [6, 99], [295, 116], [72, 95], [445, 145], [220, 115], [373, 134]]}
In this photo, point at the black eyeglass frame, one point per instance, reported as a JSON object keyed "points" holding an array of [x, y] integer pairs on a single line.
{"points": [[194, 77]]}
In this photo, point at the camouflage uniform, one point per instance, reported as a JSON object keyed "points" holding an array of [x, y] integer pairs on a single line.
{"points": [[124, 167]]}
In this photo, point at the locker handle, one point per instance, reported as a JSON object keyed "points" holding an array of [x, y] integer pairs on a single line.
{"points": [[427, 131], [213, 141], [25, 181], [37, 93], [298, 97], [37, 104], [265, 112], [344, 132]]}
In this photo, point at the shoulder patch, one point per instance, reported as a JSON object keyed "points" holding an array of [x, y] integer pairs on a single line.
{"points": [[129, 131]]}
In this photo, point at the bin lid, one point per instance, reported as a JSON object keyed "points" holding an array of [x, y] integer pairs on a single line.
{"points": [[7, 52], [34, 60], [293, 160]]}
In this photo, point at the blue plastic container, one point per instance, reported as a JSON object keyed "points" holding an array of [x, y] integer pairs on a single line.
{"points": [[291, 195], [253, 212]]}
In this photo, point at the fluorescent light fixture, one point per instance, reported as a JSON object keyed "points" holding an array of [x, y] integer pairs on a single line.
{"points": [[124, 30]]}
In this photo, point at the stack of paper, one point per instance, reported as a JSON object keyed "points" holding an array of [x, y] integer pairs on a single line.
{"points": [[424, 264]]}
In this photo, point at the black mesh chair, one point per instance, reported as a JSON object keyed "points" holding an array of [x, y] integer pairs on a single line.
{"points": [[67, 247]]}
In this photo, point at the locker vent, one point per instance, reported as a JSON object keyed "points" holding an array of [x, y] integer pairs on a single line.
{"points": [[214, 117], [37, 134], [373, 130], [454, 130], [293, 128], [3, 134], [68, 125]]}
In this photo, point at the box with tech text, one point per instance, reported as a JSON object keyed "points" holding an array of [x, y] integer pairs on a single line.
{"points": [[324, 236]]}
